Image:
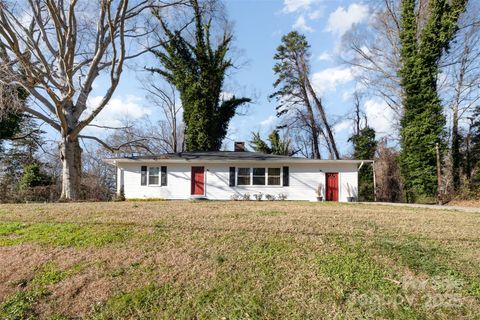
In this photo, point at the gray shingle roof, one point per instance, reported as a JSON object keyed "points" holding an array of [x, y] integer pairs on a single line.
{"points": [[220, 156]]}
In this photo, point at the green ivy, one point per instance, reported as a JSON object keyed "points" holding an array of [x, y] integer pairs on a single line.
{"points": [[197, 70], [423, 121]]}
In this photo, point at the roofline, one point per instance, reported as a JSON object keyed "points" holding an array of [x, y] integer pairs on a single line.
{"points": [[115, 161]]}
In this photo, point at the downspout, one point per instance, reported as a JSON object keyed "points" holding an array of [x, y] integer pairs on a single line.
{"points": [[361, 165], [374, 183]]}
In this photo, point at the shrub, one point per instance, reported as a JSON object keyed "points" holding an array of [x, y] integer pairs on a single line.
{"points": [[246, 197], [282, 196], [258, 196], [270, 197]]}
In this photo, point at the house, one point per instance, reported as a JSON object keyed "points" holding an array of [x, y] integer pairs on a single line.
{"points": [[223, 175]]}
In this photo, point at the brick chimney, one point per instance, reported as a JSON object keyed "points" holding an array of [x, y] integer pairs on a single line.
{"points": [[239, 146]]}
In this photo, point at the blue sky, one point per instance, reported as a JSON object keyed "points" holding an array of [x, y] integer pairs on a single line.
{"points": [[258, 28]]}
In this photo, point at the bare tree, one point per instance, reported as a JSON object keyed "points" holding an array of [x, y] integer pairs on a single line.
{"points": [[461, 85], [170, 129], [56, 50], [376, 53]]}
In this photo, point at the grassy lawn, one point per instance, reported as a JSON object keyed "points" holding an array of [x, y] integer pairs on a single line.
{"points": [[237, 260]]}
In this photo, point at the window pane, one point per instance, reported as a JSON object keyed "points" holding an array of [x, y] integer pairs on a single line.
{"points": [[243, 176], [258, 171], [243, 171], [274, 171], [273, 181], [259, 176], [274, 176], [259, 180], [153, 175], [243, 181]]}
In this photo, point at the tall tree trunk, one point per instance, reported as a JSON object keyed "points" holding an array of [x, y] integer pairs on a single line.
{"points": [[455, 152], [314, 128], [71, 157], [328, 128]]}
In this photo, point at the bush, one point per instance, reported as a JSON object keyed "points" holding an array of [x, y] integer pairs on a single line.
{"points": [[270, 197], [246, 197], [282, 196], [258, 196]]}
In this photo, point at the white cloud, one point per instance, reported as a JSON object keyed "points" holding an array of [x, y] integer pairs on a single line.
{"points": [[291, 6], [341, 20], [344, 125], [380, 116], [301, 24], [118, 110], [324, 56], [327, 80], [269, 121], [226, 95], [316, 14]]}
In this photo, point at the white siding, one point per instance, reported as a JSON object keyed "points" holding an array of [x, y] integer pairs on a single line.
{"points": [[304, 181]]}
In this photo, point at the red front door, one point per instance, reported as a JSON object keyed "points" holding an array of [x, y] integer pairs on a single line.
{"points": [[198, 184], [332, 186]]}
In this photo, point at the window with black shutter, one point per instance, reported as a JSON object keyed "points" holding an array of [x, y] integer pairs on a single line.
{"points": [[286, 176], [232, 176], [143, 181], [164, 176]]}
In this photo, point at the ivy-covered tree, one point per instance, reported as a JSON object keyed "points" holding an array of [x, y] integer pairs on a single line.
{"points": [[365, 145], [198, 70], [9, 126], [422, 124], [278, 145]]}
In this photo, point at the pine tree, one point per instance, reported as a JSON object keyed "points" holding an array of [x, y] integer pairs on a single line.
{"points": [[278, 145], [423, 121], [198, 71]]}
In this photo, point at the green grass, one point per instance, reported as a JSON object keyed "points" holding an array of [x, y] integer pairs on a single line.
{"points": [[60, 234], [237, 260], [21, 304]]}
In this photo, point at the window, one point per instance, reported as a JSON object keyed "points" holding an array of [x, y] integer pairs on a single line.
{"points": [[153, 175], [243, 177], [273, 176], [259, 176]]}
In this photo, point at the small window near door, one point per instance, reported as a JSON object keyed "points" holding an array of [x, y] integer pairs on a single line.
{"points": [[273, 176], [154, 176], [243, 176], [258, 176]]}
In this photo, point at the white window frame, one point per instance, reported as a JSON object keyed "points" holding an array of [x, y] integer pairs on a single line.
{"points": [[159, 176], [266, 177]]}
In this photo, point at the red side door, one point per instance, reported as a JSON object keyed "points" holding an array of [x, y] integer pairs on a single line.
{"points": [[198, 181], [332, 186]]}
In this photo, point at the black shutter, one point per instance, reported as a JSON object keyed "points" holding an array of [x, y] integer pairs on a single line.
{"points": [[144, 176], [232, 176], [286, 176], [164, 176]]}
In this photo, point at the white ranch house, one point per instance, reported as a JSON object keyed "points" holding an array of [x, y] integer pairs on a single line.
{"points": [[223, 175]]}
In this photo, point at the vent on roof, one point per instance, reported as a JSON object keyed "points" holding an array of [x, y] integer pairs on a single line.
{"points": [[239, 146]]}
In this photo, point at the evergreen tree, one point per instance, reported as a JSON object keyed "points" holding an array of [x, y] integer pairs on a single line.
{"points": [[198, 71], [278, 146], [295, 94], [365, 145], [9, 126], [423, 121]]}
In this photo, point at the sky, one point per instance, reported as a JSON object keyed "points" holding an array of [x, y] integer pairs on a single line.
{"points": [[258, 28]]}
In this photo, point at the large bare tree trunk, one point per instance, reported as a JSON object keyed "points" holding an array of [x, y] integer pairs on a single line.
{"points": [[71, 157]]}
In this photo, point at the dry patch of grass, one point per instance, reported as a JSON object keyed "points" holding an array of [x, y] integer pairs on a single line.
{"points": [[237, 260]]}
